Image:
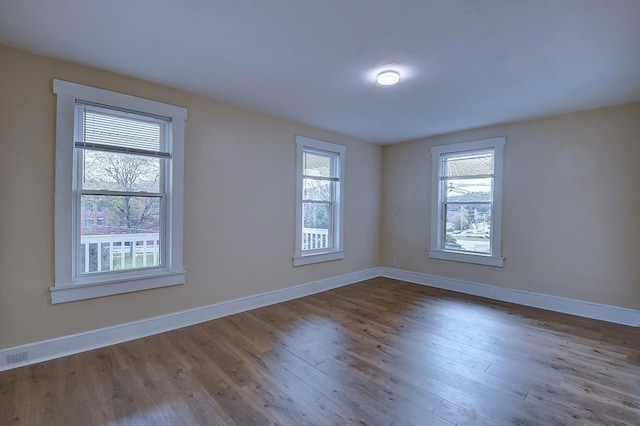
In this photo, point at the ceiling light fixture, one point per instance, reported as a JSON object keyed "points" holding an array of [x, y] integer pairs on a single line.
{"points": [[388, 78]]}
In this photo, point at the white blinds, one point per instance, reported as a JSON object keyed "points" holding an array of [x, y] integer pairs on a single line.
{"points": [[113, 130]]}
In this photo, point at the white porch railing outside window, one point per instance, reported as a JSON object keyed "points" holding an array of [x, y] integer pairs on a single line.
{"points": [[112, 252], [315, 238]]}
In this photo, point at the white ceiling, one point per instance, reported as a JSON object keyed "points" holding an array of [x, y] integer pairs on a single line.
{"points": [[464, 63]]}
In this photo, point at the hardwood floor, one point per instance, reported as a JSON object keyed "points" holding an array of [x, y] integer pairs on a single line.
{"points": [[378, 352]]}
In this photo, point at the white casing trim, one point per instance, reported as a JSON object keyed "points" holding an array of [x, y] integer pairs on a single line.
{"points": [[467, 258], [609, 313], [68, 345], [70, 293], [317, 258]]}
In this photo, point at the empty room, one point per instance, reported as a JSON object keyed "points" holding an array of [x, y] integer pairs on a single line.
{"points": [[326, 212]]}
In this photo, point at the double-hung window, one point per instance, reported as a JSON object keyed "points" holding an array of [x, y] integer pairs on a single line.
{"points": [[319, 195], [121, 163], [466, 205], [125, 155]]}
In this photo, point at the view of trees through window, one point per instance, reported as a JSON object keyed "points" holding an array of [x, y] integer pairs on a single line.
{"points": [[120, 214]]}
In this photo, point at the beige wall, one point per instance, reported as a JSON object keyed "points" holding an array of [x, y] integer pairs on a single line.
{"points": [[239, 212], [571, 205], [571, 209]]}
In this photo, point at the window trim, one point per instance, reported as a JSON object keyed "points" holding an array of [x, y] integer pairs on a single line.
{"points": [[68, 285], [437, 250], [337, 251]]}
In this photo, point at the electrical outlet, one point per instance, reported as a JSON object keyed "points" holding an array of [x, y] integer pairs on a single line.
{"points": [[394, 262], [17, 357]]}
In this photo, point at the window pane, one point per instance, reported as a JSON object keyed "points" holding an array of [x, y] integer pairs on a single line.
{"points": [[111, 127], [129, 239], [317, 190], [316, 164], [469, 190], [120, 172], [468, 227], [469, 165], [316, 226]]}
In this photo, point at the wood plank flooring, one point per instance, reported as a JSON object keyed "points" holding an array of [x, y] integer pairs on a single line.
{"points": [[378, 352]]}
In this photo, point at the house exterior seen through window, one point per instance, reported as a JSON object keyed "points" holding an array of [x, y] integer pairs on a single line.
{"points": [[466, 204]]}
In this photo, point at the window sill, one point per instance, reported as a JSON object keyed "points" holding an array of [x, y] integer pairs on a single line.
{"points": [[317, 258], [70, 293], [467, 258]]}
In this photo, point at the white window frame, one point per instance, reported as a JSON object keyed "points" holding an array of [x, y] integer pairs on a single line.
{"points": [[337, 251], [438, 250], [69, 285]]}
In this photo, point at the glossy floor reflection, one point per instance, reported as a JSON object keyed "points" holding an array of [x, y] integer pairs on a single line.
{"points": [[377, 352]]}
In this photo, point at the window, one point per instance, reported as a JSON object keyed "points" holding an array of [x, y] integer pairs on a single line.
{"points": [[319, 195], [125, 155], [121, 161], [466, 202]]}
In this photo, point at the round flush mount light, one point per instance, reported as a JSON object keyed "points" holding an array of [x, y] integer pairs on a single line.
{"points": [[388, 78]]}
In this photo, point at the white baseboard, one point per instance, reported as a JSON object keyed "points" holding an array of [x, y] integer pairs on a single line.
{"points": [[580, 308], [75, 343]]}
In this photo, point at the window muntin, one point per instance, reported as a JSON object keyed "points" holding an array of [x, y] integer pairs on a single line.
{"points": [[319, 201], [466, 204]]}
